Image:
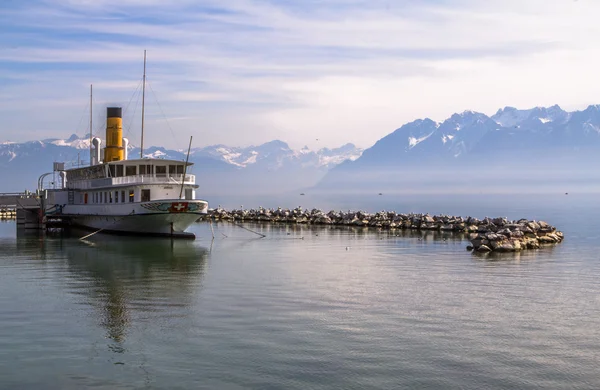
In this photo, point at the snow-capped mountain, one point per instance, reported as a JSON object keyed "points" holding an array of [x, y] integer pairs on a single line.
{"points": [[222, 166], [510, 142], [274, 154], [395, 147], [73, 141], [511, 117], [277, 154]]}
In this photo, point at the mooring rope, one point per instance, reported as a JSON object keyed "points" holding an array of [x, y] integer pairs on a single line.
{"points": [[250, 230], [113, 222]]}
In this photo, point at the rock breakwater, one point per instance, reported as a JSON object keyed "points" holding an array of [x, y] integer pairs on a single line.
{"points": [[515, 236], [486, 235]]}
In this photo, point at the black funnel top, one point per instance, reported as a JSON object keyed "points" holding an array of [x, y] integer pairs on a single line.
{"points": [[113, 112]]}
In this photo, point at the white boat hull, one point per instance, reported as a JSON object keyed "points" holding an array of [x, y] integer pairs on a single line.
{"points": [[144, 224], [160, 217]]}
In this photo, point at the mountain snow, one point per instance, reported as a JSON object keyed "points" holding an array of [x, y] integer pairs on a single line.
{"points": [[276, 154], [510, 116], [156, 154], [273, 155], [471, 135], [412, 141]]}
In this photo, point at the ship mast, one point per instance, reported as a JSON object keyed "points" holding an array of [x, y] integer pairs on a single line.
{"points": [[143, 98], [91, 129]]}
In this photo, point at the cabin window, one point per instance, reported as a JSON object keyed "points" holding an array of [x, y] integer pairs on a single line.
{"points": [[131, 196], [161, 170], [122, 196], [175, 169], [146, 169], [119, 170], [116, 196], [130, 170], [146, 195], [110, 199], [85, 198], [189, 194], [112, 171]]}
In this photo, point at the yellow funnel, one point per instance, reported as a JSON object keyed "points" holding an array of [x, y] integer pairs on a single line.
{"points": [[114, 150]]}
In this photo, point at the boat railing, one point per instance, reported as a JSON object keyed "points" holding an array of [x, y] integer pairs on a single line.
{"points": [[133, 180]]}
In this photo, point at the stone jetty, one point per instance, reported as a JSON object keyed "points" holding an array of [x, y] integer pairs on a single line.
{"points": [[486, 235]]}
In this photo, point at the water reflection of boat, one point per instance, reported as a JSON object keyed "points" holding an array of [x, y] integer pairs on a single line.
{"points": [[130, 275]]}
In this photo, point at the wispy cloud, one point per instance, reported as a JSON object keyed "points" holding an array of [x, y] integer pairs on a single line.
{"points": [[241, 71]]}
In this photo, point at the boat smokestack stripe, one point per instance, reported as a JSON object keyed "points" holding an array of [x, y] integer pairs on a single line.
{"points": [[114, 135]]}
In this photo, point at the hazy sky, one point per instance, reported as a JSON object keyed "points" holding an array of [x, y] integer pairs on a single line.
{"points": [[243, 72]]}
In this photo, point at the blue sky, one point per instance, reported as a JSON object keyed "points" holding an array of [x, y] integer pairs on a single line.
{"points": [[242, 72]]}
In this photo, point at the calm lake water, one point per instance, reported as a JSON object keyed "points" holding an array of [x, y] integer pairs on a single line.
{"points": [[307, 308]]}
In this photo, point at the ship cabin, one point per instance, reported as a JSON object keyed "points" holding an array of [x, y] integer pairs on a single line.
{"points": [[129, 181]]}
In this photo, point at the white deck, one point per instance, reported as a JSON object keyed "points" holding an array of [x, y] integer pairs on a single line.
{"points": [[131, 180]]}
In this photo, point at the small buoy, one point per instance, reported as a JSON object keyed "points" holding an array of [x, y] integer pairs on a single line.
{"points": [[302, 193], [347, 248], [380, 193], [566, 193]]}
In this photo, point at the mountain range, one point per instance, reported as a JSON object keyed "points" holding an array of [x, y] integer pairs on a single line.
{"points": [[511, 147], [469, 151], [218, 168]]}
